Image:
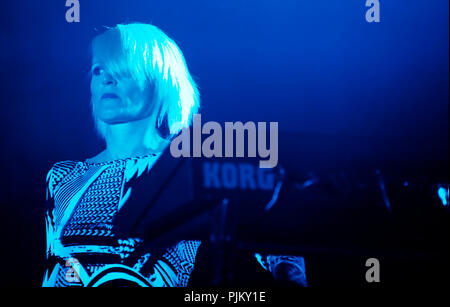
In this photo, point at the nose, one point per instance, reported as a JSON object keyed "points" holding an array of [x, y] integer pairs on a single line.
{"points": [[108, 79]]}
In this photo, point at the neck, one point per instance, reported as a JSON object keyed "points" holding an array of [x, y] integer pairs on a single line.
{"points": [[126, 140]]}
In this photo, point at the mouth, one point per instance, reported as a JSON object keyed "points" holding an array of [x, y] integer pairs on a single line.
{"points": [[109, 96]]}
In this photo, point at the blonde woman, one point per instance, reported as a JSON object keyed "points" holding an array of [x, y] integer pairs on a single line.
{"points": [[141, 95]]}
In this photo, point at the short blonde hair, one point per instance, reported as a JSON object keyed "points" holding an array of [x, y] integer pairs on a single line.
{"points": [[147, 54]]}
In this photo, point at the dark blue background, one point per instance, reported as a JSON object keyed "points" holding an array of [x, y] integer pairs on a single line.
{"points": [[316, 67]]}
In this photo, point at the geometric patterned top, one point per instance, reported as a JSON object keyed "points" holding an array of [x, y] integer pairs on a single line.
{"points": [[82, 247]]}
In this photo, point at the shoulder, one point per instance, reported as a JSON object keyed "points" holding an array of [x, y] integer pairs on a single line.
{"points": [[101, 157], [58, 172]]}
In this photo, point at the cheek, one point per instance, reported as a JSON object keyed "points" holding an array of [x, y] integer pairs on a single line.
{"points": [[137, 97], [95, 86]]}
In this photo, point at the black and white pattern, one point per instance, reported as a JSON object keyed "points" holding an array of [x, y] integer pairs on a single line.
{"points": [[82, 200]]}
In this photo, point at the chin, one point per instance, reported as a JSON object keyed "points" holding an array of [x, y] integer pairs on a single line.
{"points": [[113, 117], [109, 116], [113, 121]]}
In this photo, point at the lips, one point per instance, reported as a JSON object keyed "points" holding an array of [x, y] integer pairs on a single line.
{"points": [[109, 95]]}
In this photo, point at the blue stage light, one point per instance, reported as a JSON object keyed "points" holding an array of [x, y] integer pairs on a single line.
{"points": [[443, 195]]}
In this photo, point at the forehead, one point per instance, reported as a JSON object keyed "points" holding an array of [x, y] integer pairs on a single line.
{"points": [[107, 47]]}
